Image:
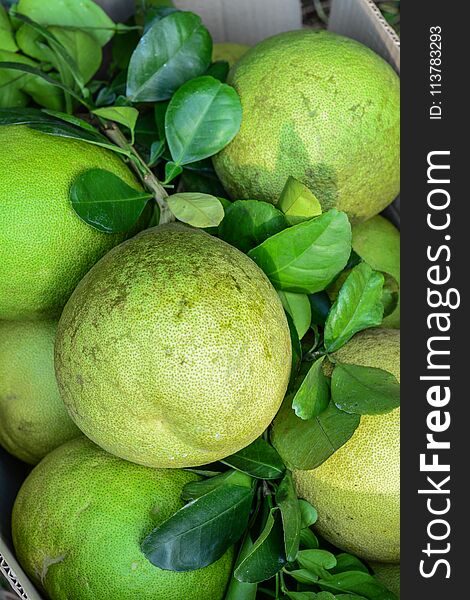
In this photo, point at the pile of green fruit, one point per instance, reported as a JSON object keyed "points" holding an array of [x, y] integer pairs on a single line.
{"points": [[199, 308]]}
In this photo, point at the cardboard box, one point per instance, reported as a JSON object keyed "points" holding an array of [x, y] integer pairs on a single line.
{"points": [[244, 21]]}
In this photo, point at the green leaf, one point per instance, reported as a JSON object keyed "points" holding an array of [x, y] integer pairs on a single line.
{"points": [[171, 171], [173, 50], [311, 559], [106, 202], [308, 539], [201, 532], [160, 109], [303, 576], [259, 460], [85, 15], [156, 150], [296, 349], [356, 582], [219, 70], [348, 562], [198, 210], [7, 39], [196, 489], [286, 499], [307, 444], [248, 223], [266, 557], [84, 49], [67, 131], [308, 513], [358, 306], [301, 595], [349, 597], [298, 307], [390, 293], [297, 202], [313, 395], [72, 119], [364, 390], [23, 116], [203, 116], [239, 590], [306, 257], [320, 304], [124, 115]]}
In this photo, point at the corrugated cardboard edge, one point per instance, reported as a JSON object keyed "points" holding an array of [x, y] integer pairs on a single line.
{"points": [[12, 578], [363, 21]]}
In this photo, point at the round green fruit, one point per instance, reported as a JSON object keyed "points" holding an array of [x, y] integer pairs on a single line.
{"points": [[174, 350], [33, 419], [79, 520], [357, 490], [389, 575], [46, 248], [321, 108], [229, 51], [377, 241]]}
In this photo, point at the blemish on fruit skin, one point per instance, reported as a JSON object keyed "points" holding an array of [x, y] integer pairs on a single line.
{"points": [[134, 566], [218, 436]]}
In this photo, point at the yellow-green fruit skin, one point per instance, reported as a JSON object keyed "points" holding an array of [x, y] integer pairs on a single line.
{"points": [[389, 575], [45, 247], [357, 490], [33, 419], [321, 108], [377, 241], [229, 51], [174, 350], [80, 517]]}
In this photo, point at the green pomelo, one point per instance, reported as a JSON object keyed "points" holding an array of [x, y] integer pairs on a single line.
{"points": [[321, 108], [377, 241], [357, 490], [33, 419], [79, 520], [45, 247], [229, 51], [174, 350], [389, 575]]}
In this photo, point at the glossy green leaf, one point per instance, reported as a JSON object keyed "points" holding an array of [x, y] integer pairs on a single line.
{"points": [[320, 305], [316, 561], [23, 116], [84, 49], [303, 576], [348, 562], [296, 349], [72, 119], [196, 489], [174, 50], [306, 257], [297, 202], [259, 460], [308, 539], [7, 39], [308, 513], [364, 390], [156, 150], [106, 202], [313, 395], [219, 70], [266, 557], [307, 444], [203, 116], [301, 595], [240, 590], [202, 531], [249, 223], [198, 210], [390, 294], [124, 115], [171, 171], [357, 582], [286, 499], [357, 307], [85, 15], [298, 306]]}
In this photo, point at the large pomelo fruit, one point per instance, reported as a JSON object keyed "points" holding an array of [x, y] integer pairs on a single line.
{"points": [[322, 108], [45, 247], [229, 51], [357, 490], [79, 520], [377, 241], [33, 419], [174, 350]]}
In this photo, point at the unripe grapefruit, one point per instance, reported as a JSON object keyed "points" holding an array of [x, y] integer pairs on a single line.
{"points": [[33, 419], [357, 490], [229, 51], [174, 350], [319, 107], [79, 520], [45, 247]]}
